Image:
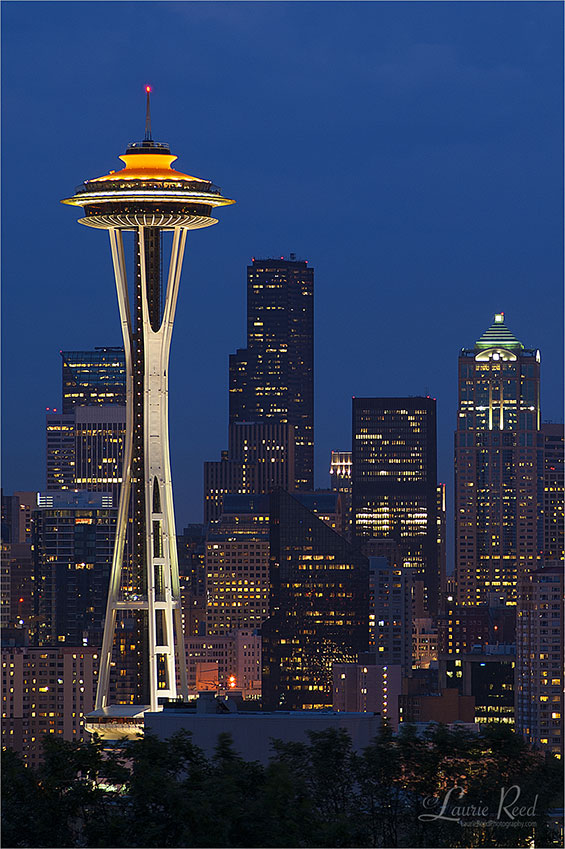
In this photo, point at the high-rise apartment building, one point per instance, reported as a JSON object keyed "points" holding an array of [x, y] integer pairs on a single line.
{"points": [[92, 378], [318, 612], [272, 379], [395, 481], [45, 691], [496, 465], [260, 458], [539, 659], [391, 613]]}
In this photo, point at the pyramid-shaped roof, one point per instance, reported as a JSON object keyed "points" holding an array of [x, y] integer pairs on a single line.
{"points": [[498, 336]]}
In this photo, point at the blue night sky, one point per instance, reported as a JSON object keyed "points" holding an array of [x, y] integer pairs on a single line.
{"points": [[412, 152]]}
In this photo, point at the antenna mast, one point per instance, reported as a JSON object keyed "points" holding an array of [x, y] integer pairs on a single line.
{"points": [[148, 115]]}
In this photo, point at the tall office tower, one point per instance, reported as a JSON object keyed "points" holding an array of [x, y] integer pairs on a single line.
{"points": [[395, 481], [85, 449], [318, 607], [539, 659], [45, 691], [272, 379], [100, 434], [260, 457], [391, 612], [237, 567], [73, 541], [92, 378], [340, 481], [148, 198], [553, 534], [496, 465], [60, 450]]}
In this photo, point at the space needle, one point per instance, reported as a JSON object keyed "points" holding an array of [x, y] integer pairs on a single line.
{"points": [[147, 198]]}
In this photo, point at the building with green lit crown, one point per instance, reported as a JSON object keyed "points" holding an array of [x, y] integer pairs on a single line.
{"points": [[497, 525]]}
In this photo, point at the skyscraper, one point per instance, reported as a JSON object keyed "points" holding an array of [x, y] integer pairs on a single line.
{"points": [[539, 659], [496, 465], [272, 379], [73, 541], [395, 481], [552, 513], [85, 449], [391, 612], [93, 377], [60, 450], [260, 457], [318, 609]]}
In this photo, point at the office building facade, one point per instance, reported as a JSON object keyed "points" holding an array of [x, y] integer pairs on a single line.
{"points": [[260, 458], [395, 482], [272, 379], [318, 612], [553, 492], [93, 378], [73, 540]]}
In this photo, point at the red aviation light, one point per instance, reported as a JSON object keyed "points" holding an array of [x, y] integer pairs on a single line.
{"points": [[148, 89]]}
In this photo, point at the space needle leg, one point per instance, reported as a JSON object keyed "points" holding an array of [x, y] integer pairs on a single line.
{"points": [[117, 247]]}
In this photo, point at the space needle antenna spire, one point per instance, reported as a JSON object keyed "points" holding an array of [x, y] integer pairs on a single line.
{"points": [[148, 114]]}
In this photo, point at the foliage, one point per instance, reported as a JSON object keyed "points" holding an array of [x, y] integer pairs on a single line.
{"points": [[151, 793]]}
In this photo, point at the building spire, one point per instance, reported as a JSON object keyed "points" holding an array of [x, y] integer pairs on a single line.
{"points": [[148, 115]]}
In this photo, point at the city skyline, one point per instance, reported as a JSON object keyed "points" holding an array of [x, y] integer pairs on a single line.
{"points": [[494, 234]]}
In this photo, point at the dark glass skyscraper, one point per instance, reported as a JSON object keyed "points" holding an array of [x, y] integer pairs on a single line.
{"points": [[73, 541], [318, 609], [272, 379], [93, 377], [394, 476]]}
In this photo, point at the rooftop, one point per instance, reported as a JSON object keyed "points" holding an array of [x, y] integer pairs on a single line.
{"points": [[498, 336]]}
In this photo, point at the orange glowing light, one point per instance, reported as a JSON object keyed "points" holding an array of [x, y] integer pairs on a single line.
{"points": [[147, 88], [148, 166]]}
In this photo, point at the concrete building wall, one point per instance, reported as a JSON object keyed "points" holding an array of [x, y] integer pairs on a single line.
{"points": [[253, 733]]}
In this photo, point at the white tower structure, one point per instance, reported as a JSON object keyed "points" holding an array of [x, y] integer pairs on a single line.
{"points": [[147, 197]]}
